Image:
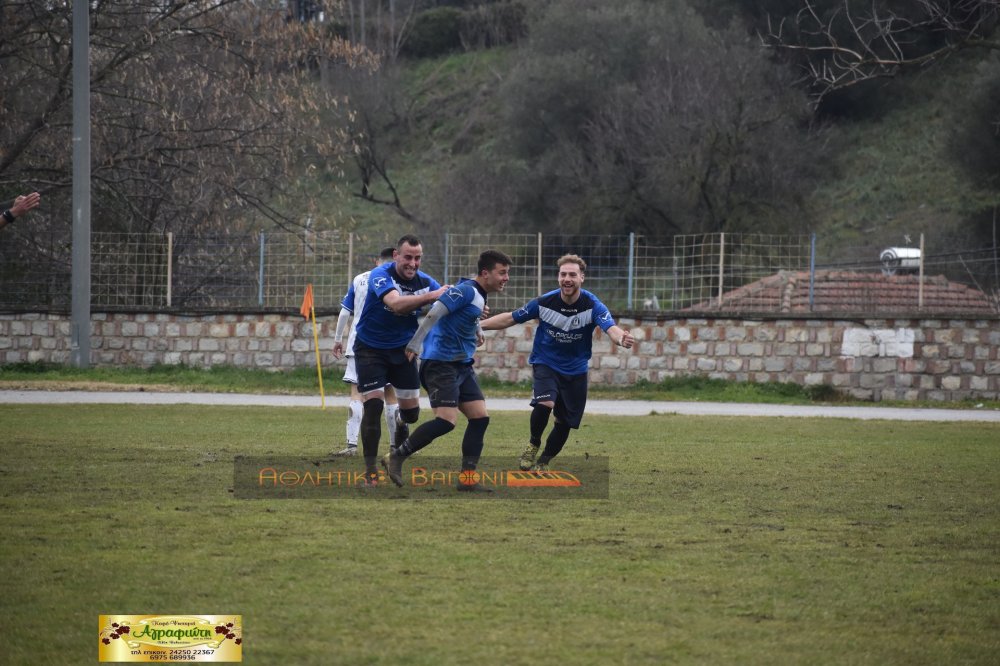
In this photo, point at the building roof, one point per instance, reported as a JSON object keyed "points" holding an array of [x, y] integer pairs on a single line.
{"points": [[853, 292]]}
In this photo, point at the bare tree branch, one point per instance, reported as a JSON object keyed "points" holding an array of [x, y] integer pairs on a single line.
{"points": [[845, 47]]}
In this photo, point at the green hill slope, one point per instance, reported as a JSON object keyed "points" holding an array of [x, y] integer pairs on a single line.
{"points": [[893, 172]]}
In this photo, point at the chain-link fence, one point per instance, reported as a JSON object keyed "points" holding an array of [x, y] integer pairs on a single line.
{"points": [[711, 273]]}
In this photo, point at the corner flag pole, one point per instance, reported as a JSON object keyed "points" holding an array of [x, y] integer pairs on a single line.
{"points": [[308, 309], [319, 368]]}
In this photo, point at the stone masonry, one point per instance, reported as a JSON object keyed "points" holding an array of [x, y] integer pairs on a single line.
{"points": [[870, 359]]}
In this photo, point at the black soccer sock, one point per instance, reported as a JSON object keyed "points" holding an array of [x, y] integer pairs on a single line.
{"points": [[472, 442], [371, 430], [554, 444], [539, 419], [424, 435]]}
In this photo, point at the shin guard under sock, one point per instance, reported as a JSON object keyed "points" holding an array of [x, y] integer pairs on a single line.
{"points": [[472, 442], [354, 411], [554, 444], [539, 419], [371, 430], [390, 423], [424, 435]]}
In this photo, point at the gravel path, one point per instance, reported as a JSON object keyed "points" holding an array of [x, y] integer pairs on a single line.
{"points": [[613, 407]]}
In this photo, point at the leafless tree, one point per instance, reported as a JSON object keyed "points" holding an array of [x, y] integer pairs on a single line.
{"points": [[845, 46], [203, 111], [379, 25]]}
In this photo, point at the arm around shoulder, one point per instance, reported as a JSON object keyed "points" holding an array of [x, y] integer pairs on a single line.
{"points": [[402, 305], [497, 322]]}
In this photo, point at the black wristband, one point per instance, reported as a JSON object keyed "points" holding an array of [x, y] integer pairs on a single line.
{"points": [[9, 216]]}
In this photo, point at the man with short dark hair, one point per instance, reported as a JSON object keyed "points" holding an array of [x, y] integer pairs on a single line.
{"points": [[446, 342], [559, 359], [396, 293]]}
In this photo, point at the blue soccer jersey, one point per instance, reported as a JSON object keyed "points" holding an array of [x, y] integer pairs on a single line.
{"points": [[380, 327], [565, 334], [453, 337]]}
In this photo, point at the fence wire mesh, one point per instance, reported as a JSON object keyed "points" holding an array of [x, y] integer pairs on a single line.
{"points": [[711, 273]]}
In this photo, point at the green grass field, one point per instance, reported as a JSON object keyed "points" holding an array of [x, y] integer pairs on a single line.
{"points": [[725, 540]]}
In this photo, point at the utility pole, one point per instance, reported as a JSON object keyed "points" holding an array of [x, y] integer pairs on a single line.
{"points": [[80, 290]]}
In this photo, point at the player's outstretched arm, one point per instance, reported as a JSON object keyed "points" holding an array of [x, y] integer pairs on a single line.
{"points": [[403, 305], [498, 322], [416, 343], [621, 337]]}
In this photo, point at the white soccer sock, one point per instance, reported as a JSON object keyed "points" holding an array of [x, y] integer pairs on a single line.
{"points": [[390, 421], [354, 411]]}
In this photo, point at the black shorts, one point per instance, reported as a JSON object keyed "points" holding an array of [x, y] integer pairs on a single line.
{"points": [[449, 384], [568, 392], [378, 367]]}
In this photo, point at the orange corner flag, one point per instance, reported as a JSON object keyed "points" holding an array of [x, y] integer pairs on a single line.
{"points": [[307, 302]]}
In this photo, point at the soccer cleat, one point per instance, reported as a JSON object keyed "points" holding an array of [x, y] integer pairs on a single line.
{"points": [[393, 467], [402, 430], [527, 458], [346, 452], [541, 467]]}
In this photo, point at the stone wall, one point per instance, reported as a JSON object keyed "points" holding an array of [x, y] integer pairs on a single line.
{"points": [[871, 359]]}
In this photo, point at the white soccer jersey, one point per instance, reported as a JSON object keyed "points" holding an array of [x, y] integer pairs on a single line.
{"points": [[354, 302]]}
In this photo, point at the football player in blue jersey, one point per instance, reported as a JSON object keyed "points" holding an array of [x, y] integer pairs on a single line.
{"points": [[446, 342], [354, 301], [560, 356], [396, 293]]}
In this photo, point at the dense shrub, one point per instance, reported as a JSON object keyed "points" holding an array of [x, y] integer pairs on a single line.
{"points": [[493, 25], [435, 32]]}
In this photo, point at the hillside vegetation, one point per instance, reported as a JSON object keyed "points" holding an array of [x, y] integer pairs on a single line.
{"points": [[888, 164]]}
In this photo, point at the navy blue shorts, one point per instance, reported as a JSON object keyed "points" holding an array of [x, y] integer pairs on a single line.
{"points": [[378, 367], [568, 392], [448, 384]]}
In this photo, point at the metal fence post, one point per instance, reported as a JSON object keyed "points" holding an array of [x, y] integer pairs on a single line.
{"points": [[812, 270], [170, 267], [920, 287], [260, 275], [539, 285], [447, 245], [675, 277], [350, 256], [631, 266], [722, 263]]}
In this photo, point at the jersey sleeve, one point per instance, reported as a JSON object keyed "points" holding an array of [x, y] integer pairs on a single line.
{"points": [[457, 297], [603, 316], [380, 283], [526, 312], [348, 301]]}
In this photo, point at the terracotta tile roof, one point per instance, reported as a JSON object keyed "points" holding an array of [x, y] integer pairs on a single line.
{"points": [[852, 292]]}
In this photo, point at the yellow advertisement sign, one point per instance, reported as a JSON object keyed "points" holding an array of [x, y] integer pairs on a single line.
{"points": [[167, 638]]}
